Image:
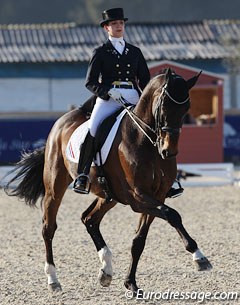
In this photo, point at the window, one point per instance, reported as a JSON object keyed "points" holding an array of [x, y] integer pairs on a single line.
{"points": [[204, 107]]}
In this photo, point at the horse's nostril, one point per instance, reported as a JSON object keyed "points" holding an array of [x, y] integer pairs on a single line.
{"points": [[165, 153]]}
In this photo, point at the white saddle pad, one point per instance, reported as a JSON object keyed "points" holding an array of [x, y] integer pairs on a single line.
{"points": [[78, 137]]}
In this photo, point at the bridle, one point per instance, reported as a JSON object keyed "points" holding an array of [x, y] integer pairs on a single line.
{"points": [[159, 125]]}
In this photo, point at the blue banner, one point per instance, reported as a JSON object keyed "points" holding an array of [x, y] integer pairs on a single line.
{"points": [[232, 137], [17, 136]]}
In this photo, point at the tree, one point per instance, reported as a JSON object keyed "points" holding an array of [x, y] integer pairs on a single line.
{"points": [[232, 64]]}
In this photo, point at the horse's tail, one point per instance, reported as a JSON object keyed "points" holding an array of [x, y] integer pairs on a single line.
{"points": [[27, 183]]}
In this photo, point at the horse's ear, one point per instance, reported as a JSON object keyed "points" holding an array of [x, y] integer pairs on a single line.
{"points": [[192, 81], [168, 74]]}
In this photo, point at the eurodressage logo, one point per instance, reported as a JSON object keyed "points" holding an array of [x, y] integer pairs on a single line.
{"points": [[198, 296]]}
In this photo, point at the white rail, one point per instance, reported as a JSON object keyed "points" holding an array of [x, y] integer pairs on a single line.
{"points": [[208, 174]]}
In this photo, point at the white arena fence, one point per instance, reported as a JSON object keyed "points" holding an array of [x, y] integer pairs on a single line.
{"points": [[209, 174]]}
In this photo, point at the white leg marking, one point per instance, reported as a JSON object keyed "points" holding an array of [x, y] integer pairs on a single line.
{"points": [[105, 256], [50, 272], [197, 255]]}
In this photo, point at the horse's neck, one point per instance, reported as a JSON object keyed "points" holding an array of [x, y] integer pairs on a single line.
{"points": [[144, 106], [143, 109], [134, 128]]}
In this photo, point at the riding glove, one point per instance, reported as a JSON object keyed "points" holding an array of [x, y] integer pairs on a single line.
{"points": [[115, 94]]}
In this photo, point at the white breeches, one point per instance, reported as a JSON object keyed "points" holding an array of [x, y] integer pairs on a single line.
{"points": [[103, 108]]}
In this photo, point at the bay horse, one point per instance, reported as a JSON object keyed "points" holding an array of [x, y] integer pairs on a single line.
{"points": [[140, 168]]}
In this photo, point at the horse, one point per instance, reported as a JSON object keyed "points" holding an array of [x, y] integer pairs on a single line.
{"points": [[140, 169]]}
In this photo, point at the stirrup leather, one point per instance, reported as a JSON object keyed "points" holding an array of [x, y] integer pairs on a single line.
{"points": [[82, 184]]}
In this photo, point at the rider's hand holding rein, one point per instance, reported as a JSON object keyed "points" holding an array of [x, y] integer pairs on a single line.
{"points": [[115, 94]]}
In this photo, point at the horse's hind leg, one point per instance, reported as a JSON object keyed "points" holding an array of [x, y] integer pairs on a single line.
{"points": [[56, 183], [138, 245], [91, 219]]}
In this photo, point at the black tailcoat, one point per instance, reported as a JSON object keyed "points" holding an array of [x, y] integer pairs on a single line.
{"points": [[108, 65]]}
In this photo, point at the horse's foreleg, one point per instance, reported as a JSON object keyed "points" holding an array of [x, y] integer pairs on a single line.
{"points": [[138, 245], [142, 204], [91, 219], [175, 220]]}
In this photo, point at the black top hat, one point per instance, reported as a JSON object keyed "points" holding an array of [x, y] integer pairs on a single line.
{"points": [[112, 14]]}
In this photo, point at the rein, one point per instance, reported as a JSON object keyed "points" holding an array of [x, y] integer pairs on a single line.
{"points": [[134, 118], [158, 125]]}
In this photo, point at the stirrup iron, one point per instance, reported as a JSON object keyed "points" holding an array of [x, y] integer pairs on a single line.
{"points": [[84, 187], [173, 192]]}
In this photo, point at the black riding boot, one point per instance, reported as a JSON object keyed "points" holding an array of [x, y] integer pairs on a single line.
{"points": [[82, 183]]}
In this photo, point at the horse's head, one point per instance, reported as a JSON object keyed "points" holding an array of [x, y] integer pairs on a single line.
{"points": [[170, 105]]}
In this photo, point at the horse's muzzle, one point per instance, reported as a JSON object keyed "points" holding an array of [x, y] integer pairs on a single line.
{"points": [[168, 146], [167, 154]]}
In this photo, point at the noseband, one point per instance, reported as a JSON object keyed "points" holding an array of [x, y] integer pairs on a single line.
{"points": [[159, 124]]}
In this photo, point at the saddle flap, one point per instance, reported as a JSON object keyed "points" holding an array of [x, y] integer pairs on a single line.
{"points": [[105, 141], [104, 129]]}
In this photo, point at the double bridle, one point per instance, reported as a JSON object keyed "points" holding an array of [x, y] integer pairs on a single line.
{"points": [[159, 126]]}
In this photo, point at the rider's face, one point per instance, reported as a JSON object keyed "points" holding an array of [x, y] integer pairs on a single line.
{"points": [[115, 28]]}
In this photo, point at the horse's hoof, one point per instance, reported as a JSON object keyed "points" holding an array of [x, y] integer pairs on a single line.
{"points": [[104, 278], [203, 264], [54, 287], [133, 288]]}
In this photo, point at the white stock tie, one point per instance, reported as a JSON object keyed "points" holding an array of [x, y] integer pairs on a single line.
{"points": [[119, 46]]}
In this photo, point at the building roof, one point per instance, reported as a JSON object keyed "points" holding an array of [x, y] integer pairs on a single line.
{"points": [[162, 64], [70, 42]]}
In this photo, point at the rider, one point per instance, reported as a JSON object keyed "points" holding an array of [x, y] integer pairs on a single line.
{"points": [[116, 69]]}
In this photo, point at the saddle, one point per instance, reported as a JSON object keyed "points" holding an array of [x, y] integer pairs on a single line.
{"points": [[102, 144], [104, 129], [100, 138], [105, 126]]}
